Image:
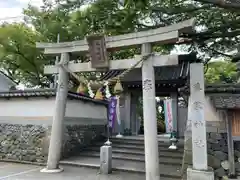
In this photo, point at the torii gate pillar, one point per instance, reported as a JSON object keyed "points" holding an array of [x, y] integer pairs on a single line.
{"points": [[55, 145], [149, 116]]}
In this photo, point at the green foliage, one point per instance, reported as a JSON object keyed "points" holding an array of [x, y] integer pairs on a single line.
{"points": [[160, 115], [221, 72], [217, 23], [19, 58]]}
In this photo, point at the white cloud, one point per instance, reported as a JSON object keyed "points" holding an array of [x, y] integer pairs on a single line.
{"points": [[13, 13], [11, 10], [32, 2]]}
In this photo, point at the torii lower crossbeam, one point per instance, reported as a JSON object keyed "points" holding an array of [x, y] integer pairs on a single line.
{"points": [[158, 60]]}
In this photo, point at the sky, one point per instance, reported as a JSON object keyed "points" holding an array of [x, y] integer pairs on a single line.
{"points": [[11, 10]]}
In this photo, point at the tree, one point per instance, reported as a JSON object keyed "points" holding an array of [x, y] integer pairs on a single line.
{"points": [[230, 4], [221, 72], [217, 22], [19, 58]]}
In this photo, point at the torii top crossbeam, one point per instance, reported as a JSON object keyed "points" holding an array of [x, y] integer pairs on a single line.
{"points": [[163, 35]]}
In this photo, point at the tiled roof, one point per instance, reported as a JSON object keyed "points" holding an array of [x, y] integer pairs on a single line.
{"points": [[46, 93], [226, 101], [167, 73], [224, 96], [177, 72]]}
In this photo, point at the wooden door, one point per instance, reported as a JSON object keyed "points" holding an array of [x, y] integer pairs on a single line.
{"points": [[236, 123]]}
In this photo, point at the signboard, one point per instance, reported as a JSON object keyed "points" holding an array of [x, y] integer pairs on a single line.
{"points": [[112, 111], [168, 115], [98, 51]]}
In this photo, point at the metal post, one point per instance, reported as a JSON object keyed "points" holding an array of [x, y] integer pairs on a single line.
{"points": [[232, 171], [150, 119], [56, 61], [55, 146]]}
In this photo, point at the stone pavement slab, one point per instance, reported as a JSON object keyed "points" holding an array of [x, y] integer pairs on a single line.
{"points": [[14, 171], [11, 171], [121, 165]]}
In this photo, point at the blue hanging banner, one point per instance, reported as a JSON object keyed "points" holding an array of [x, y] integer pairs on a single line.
{"points": [[168, 113], [112, 111]]}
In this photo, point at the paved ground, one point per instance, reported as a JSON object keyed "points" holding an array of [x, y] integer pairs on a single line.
{"points": [[12, 171]]}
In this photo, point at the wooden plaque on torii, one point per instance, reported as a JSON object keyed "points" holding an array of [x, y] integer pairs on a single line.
{"points": [[98, 52]]}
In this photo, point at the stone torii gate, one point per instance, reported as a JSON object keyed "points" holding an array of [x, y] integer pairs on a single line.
{"points": [[145, 39]]}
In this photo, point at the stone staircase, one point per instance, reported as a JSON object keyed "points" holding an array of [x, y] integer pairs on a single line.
{"points": [[128, 155]]}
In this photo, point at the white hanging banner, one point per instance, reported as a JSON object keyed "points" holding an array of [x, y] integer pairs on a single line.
{"points": [[118, 110], [168, 113]]}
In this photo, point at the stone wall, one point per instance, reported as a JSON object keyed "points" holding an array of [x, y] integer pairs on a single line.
{"points": [[23, 142], [217, 146], [77, 137], [218, 153], [217, 150], [237, 156], [30, 143]]}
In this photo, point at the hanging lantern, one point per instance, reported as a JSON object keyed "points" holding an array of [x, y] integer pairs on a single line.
{"points": [[118, 89]]}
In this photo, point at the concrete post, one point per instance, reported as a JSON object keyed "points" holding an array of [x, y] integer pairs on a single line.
{"points": [[55, 146], [150, 119], [199, 141], [56, 62], [106, 159]]}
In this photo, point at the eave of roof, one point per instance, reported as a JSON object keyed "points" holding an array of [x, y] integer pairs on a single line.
{"points": [[223, 96], [223, 88], [8, 79], [47, 93], [166, 73], [217, 89]]}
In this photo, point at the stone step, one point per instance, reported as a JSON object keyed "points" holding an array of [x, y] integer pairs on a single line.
{"points": [[139, 147], [163, 153], [141, 139], [134, 157], [167, 172], [141, 143]]}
